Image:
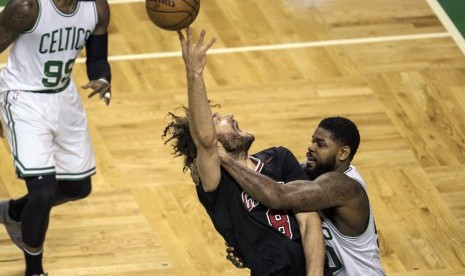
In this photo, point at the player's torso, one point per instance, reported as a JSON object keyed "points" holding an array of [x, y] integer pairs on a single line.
{"points": [[271, 242], [281, 220], [352, 255], [42, 58]]}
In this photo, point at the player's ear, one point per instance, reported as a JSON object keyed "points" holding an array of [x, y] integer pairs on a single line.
{"points": [[344, 153]]}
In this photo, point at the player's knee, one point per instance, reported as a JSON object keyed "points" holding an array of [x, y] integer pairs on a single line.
{"points": [[77, 189], [41, 191]]}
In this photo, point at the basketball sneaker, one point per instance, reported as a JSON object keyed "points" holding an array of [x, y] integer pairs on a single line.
{"points": [[13, 228], [42, 274]]}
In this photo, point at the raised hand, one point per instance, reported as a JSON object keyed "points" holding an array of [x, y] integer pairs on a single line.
{"points": [[193, 53]]}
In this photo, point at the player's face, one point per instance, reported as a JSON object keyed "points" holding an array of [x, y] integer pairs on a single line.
{"points": [[322, 154], [230, 135]]}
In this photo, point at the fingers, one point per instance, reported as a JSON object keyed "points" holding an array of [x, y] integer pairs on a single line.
{"points": [[189, 36], [231, 256], [210, 44], [87, 85], [182, 39], [107, 98], [181, 35], [101, 88], [95, 92], [199, 42], [201, 37], [235, 261]]}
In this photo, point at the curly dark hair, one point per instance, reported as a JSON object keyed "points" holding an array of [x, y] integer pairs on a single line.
{"points": [[343, 131], [178, 133]]}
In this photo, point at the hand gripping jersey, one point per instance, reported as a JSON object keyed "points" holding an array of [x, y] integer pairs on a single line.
{"points": [[267, 240], [42, 58], [352, 256]]}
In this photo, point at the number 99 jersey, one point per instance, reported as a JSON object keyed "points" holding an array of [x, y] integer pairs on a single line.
{"points": [[41, 59]]}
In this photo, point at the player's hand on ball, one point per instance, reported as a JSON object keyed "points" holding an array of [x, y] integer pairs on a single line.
{"points": [[193, 53], [233, 258], [101, 87]]}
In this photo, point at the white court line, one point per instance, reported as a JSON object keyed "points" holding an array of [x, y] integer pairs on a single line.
{"points": [[448, 24], [274, 47], [285, 46]]}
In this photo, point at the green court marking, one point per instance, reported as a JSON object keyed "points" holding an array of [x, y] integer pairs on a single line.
{"points": [[455, 9]]}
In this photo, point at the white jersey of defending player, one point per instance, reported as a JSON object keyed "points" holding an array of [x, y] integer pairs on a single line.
{"points": [[42, 58], [352, 256]]}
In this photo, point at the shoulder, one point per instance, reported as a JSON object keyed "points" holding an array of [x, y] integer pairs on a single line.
{"points": [[23, 9], [21, 15], [25, 6], [102, 6], [340, 184], [103, 12]]}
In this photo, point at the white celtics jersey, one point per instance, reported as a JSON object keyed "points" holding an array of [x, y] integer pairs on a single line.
{"points": [[352, 256], [42, 58]]}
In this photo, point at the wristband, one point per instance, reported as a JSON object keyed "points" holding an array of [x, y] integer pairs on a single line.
{"points": [[104, 80]]}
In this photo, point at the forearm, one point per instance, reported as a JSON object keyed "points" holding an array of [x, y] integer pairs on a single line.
{"points": [[200, 115], [314, 247], [97, 58], [261, 188]]}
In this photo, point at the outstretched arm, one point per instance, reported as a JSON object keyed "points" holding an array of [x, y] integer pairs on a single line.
{"points": [[312, 242], [200, 116], [300, 195], [330, 190]]}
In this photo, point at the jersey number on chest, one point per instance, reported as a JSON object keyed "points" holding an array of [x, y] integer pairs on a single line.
{"points": [[56, 72]]}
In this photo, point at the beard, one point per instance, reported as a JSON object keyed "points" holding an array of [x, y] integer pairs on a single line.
{"points": [[321, 168], [235, 144]]}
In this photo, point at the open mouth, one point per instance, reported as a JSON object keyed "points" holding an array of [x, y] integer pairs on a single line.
{"points": [[310, 160]]}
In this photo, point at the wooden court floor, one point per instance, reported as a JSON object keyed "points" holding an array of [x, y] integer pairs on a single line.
{"points": [[280, 67]]}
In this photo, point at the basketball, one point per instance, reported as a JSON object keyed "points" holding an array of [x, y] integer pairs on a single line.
{"points": [[172, 15]]}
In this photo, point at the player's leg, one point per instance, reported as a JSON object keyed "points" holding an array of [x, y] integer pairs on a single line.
{"points": [[35, 218], [71, 190], [74, 156], [73, 152], [65, 191], [30, 141], [10, 217]]}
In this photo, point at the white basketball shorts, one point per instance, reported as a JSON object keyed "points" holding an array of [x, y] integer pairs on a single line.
{"points": [[48, 133]]}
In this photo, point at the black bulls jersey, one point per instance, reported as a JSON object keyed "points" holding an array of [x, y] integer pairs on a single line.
{"points": [[267, 240]]}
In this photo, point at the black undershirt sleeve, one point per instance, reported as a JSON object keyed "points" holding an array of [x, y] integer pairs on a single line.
{"points": [[97, 57]]}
